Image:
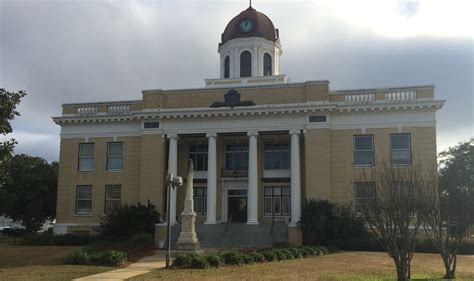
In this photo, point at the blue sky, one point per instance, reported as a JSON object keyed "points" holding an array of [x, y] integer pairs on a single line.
{"points": [[79, 51]]}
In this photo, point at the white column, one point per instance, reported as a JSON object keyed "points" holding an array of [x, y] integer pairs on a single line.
{"points": [[252, 193], [295, 178], [173, 169], [211, 178]]}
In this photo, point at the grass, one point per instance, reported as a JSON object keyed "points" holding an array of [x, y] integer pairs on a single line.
{"points": [[339, 266], [41, 263]]}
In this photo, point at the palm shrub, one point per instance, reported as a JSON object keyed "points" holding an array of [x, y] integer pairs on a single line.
{"points": [[288, 254], [199, 262], [214, 260], [232, 257], [183, 260], [270, 256], [257, 257], [279, 254], [247, 259]]}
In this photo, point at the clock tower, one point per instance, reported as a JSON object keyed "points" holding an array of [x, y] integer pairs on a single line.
{"points": [[250, 48]]}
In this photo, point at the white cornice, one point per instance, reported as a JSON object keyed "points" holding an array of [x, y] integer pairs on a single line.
{"points": [[257, 110]]}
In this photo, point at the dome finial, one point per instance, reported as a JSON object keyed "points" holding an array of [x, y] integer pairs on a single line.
{"points": [[250, 6]]}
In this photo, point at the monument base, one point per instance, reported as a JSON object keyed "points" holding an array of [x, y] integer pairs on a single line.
{"points": [[188, 247]]}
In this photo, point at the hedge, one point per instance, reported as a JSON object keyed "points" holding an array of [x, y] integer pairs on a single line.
{"points": [[244, 257]]}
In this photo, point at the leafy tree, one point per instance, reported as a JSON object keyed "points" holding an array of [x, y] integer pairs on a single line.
{"points": [[446, 225], [324, 222], [125, 221], [30, 193], [8, 104]]}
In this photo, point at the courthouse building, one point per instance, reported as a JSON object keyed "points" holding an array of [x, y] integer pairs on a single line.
{"points": [[260, 144]]}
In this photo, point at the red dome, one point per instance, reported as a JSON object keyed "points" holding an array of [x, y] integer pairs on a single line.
{"points": [[262, 27]]}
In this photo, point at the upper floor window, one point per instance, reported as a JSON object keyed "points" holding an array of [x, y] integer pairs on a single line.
{"points": [[114, 156], [198, 153], [246, 64], [267, 65], [364, 150], [277, 156], [277, 201], [86, 157], [364, 196], [200, 200], [237, 157], [227, 67], [83, 199], [400, 150], [113, 196]]}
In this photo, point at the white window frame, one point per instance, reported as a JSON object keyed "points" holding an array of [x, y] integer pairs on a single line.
{"points": [[273, 198], [81, 157], [202, 198], [364, 150], [77, 200], [276, 147], [114, 156], [198, 152], [401, 149], [112, 200], [366, 199]]}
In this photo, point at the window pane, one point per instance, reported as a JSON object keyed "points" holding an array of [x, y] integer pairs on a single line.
{"points": [[84, 206], [229, 163], [245, 64], [192, 148], [276, 159], [115, 149], [277, 208], [268, 205], [363, 157], [286, 205], [268, 160], [277, 191], [365, 190], [86, 164], [400, 156], [199, 206], [400, 141], [115, 163], [86, 149], [267, 65], [113, 192], [84, 192], [286, 191], [363, 142], [285, 159], [268, 191], [199, 166]]}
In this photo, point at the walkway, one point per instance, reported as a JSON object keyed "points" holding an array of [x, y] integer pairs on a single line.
{"points": [[142, 266]]}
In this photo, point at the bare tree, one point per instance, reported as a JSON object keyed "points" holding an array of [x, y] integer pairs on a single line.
{"points": [[447, 224], [397, 211]]}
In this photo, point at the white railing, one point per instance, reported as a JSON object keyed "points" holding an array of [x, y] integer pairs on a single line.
{"points": [[87, 110], [118, 109], [360, 98], [400, 96]]}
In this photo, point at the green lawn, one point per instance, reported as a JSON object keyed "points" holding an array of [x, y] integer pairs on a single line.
{"points": [[339, 266], [41, 263]]}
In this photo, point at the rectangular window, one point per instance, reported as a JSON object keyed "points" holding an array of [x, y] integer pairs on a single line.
{"points": [[277, 156], [277, 201], [198, 153], [364, 150], [151, 125], [237, 157], [114, 156], [200, 200], [86, 157], [400, 150], [113, 197], [317, 119], [83, 199], [364, 193]]}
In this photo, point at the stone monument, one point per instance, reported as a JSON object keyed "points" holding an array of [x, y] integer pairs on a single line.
{"points": [[187, 240]]}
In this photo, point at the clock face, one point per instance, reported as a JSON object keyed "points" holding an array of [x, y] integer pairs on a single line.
{"points": [[246, 25]]}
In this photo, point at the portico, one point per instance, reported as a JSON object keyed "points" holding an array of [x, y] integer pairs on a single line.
{"points": [[228, 180]]}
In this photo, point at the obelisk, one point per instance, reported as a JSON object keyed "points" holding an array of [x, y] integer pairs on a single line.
{"points": [[187, 240]]}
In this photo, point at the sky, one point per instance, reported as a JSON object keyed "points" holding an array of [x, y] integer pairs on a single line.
{"points": [[83, 51]]}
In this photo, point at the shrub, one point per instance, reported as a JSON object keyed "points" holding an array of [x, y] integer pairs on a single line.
{"points": [[183, 260], [279, 254], [142, 238], [214, 260], [296, 253], [232, 257], [323, 221], [125, 221], [78, 257], [113, 258], [246, 258], [288, 254], [94, 247], [323, 250], [257, 257], [306, 251], [199, 262], [269, 256]]}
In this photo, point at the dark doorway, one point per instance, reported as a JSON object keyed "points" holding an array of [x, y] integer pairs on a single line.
{"points": [[237, 205]]}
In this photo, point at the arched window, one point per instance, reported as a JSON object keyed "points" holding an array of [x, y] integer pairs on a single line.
{"points": [[245, 64], [227, 67], [267, 65]]}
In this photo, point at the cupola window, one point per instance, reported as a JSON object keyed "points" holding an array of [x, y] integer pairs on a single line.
{"points": [[267, 65], [245, 64], [227, 67]]}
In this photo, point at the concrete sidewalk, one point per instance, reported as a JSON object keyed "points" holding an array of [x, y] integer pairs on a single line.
{"points": [[142, 266]]}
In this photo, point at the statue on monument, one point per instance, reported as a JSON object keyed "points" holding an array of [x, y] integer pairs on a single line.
{"points": [[187, 240]]}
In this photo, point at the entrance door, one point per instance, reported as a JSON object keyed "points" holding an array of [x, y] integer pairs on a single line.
{"points": [[237, 205]]}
